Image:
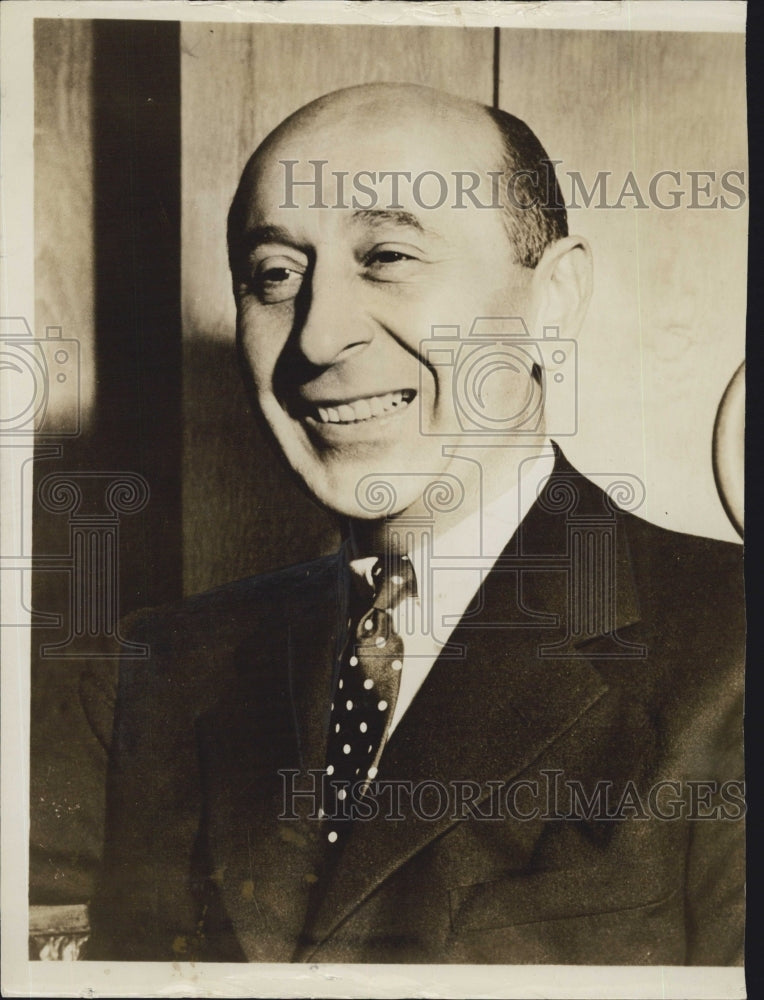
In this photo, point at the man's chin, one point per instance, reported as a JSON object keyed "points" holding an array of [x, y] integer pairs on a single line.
{"points": [[366, 495], [370, 502]]}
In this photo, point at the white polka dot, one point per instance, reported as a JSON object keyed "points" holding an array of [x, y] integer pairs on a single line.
{"points": [[368, 624], [372, 772], [380, 640], [342, 794], [341, 684], [349, 705], [332, 706], [396, 665], [332, 837], [368, 683], [346, 748], [358, 770], [330, 769], [397, 580], [337, 728], [353, 661], [363, 727], [382, 705], [321, 813], [368, 748]]}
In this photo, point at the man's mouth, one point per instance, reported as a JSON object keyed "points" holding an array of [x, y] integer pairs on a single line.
{"points": [[358, 411]]}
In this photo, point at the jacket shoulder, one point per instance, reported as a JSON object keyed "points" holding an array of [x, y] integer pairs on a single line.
{"points": [[241, 604], [683, 570], [193, 643]]}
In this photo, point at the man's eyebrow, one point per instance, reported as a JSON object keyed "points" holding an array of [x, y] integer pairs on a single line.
{"points": [[258, 235], [385, 216], [373, 217]]}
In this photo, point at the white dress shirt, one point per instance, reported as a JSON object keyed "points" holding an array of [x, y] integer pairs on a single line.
{"points": [[450, 569]]}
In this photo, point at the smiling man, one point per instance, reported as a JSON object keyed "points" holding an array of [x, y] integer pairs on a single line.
{"points": [[335, 302], [502, 724]]}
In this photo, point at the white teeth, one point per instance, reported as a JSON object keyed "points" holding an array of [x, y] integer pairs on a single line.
{"points": [[362, 409]]}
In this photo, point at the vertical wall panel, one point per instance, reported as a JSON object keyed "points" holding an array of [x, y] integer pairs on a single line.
{"points": [[666, 326], [66, 773], [239, 82], [136, 135], [63, 233], [107, 271]]}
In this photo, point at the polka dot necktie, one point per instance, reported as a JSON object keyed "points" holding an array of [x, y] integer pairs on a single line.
{"points": [[365, 695]]}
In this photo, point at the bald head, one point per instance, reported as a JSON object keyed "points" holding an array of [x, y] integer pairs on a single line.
{"points": [[369, 107], [408, 129]]}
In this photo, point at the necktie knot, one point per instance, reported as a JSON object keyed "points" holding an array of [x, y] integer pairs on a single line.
{"points": [[394, 580]]}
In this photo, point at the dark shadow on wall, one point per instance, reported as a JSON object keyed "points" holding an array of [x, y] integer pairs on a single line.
{"points": [[136, 109], [242, 511], [110, 566]]}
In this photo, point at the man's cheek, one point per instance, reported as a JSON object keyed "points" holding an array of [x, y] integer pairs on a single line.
{"points": [[261, 354]]}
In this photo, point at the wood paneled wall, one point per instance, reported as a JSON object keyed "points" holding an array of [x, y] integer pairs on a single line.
{"points": [[107, 225], [63, 206], [666, 326]]}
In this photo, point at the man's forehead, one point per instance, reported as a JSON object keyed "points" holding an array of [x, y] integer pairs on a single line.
{"points": [[370, 157], [380, 141], [266, 220], [361, 221], [390, 178]]}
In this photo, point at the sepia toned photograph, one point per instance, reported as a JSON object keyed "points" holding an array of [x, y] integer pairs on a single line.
{"points": [[373, 467]]}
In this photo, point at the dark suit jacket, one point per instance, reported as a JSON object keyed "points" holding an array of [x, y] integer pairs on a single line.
{"points": [[601, 649]]}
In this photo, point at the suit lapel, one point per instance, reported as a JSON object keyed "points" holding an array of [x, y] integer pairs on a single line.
{"points": [[260, 740], [313, 636], [488, 716]]}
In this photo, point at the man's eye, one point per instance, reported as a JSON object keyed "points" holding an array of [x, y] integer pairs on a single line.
{"points": [[387, 257], [390, 265], [278, 275], [277, 284]]}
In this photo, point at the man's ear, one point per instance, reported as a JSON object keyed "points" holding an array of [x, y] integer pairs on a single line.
{"points": [[562, 285]]}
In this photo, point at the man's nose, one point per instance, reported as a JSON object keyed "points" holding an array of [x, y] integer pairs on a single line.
{"points": [[332, 323]]}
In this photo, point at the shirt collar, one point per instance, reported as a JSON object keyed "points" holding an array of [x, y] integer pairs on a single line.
{"points": [[484, 532]]}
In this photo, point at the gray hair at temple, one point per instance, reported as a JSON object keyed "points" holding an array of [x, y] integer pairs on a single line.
{"points": [[533, 228]]}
